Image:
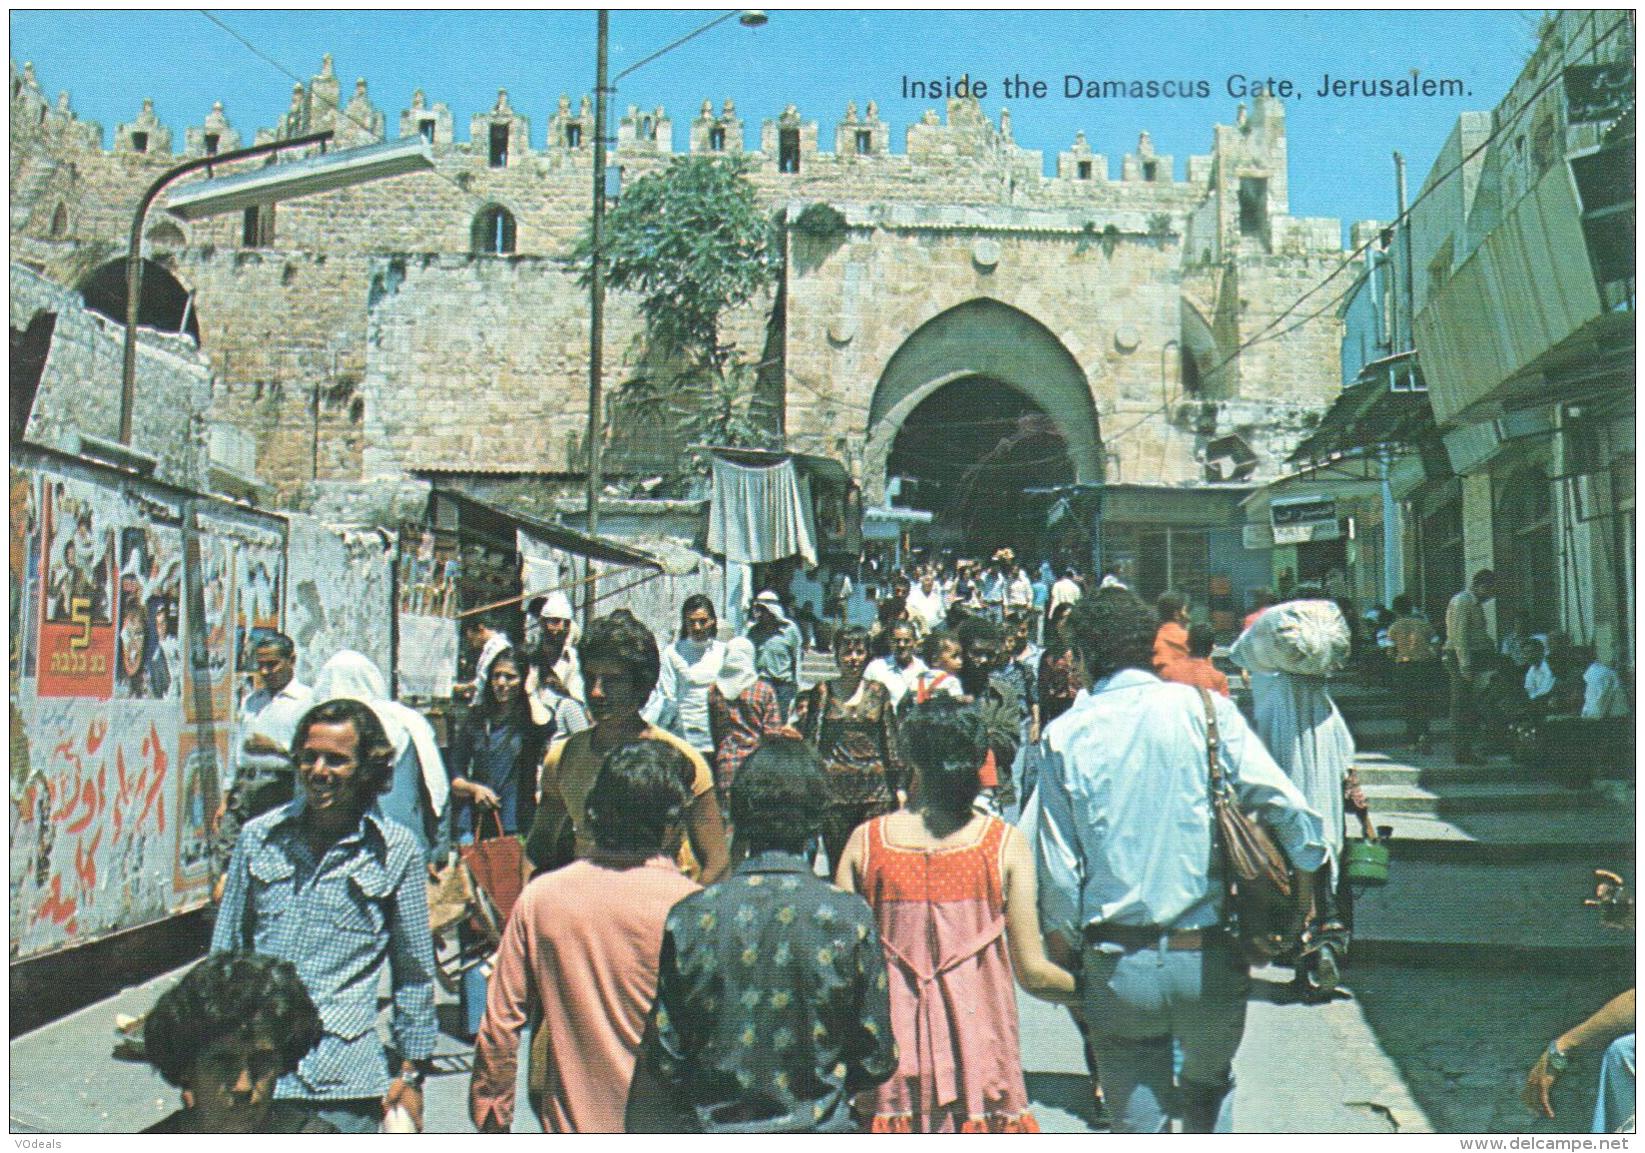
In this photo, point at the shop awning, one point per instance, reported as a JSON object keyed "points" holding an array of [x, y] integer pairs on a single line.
{"points": [[556, 535], [1387, 406]]}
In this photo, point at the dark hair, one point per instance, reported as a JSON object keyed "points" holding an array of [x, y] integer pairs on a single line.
{"points": [[1262, 598], [778, 796], [493, 620], [901, 623], [638, 797], [935, 641], [230, 995], [1113, 630], [1170, 605], [486, 704], [1058, 611], [947, 742], [852, 635], [1402, 604], [1485, 576], [980, 629], [269, 639], [373, 751], [620, 638], [693, 603], [1308, 591], [1016, 617], [1202, 638]]}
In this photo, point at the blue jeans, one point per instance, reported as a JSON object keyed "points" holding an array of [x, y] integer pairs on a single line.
{"points": [[1615, 1107], [1137, 1003]]}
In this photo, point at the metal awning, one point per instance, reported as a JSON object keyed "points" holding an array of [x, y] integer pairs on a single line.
{"points": [[1351, 477], [1387, 406], [556, 535], [823, 468]]}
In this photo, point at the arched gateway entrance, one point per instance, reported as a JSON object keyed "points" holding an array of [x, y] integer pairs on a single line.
{"points": [[980, 403]]}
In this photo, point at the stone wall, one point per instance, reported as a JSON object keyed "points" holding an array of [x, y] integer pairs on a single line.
{"points": [[79, 390], [421, 349]]}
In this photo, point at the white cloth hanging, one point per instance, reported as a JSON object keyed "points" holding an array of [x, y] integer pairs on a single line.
{"points": [[759, 515]]}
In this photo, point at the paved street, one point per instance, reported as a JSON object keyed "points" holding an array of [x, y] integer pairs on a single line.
{"points": [[63, 1079]]}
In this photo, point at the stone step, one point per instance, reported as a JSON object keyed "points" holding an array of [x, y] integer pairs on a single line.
{"points": [[1474, 797], [1603, 833], [1488, 915], [1388, 772]]}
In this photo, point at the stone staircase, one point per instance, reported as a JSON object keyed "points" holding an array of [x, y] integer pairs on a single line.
{"points": [[1490, 863]]}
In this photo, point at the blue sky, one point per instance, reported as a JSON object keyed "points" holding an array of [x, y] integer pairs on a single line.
{"points": [[1339, 147]]}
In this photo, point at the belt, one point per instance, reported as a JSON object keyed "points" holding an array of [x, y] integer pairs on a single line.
{"points": [[1147, 937]]}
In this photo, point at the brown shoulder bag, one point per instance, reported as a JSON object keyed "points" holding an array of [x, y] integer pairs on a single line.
{"points": [[1259, 903]]}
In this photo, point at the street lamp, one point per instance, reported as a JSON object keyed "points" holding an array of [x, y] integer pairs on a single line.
{"points": [[748, 18], [321, 173]]}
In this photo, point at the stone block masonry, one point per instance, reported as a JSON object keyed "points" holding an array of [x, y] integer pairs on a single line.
{"points": [[433, 321]]}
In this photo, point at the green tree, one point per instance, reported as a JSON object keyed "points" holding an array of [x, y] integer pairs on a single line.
{"points": [[692, 243]]}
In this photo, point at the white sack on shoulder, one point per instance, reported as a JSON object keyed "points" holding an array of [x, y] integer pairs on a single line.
{"points": [[1304, 638]]}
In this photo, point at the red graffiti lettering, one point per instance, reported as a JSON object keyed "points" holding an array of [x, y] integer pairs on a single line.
{"points": [[85, 863], [157, 761], [69, 756], [88, 802], [95, 732], [56, 907]]}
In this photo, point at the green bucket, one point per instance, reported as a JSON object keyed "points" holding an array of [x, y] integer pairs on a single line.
{"points": [[1366, 863]]}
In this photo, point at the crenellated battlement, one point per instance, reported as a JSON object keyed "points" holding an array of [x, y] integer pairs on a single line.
{"points": [[787, 143]]}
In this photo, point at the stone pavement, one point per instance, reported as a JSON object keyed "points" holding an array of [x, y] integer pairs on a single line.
{"points": [[63, 1079]]}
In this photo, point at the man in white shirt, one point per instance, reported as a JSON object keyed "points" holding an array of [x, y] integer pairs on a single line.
{"points": [[898, 671], [1602, 692], [1124, 846], [261, 774], [1019, 594], [1539, 678], [1066, 591], [927, 603]]}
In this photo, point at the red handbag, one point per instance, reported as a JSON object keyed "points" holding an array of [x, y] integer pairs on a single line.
{"points": [[497, 864]]}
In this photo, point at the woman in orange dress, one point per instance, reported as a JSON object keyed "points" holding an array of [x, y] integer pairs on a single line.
{"points": [[954, 895]]}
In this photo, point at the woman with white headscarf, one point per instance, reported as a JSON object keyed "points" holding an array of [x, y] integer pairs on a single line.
{"points": [[418, 798]]}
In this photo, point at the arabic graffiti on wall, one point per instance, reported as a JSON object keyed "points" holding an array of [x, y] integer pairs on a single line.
{"points": [[113, 790], [93, 822]]}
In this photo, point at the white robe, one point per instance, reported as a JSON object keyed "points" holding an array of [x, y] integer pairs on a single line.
{"points": [[1310, 741]]}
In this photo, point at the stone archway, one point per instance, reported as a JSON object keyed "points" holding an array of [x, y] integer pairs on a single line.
{"points": [[985, 340], [978, 403], [165, 304]]}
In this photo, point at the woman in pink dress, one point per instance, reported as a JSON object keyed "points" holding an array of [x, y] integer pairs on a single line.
{"points": [[952, 890]]}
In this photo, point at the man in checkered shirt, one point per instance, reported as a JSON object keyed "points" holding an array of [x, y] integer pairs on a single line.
{"points": [[331, 885]]}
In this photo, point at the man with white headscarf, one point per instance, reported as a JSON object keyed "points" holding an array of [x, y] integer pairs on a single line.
{"points": [[420, 792], [557, 648], [1290, 651]]}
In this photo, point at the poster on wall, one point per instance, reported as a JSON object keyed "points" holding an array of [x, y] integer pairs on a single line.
{"points": [[24, 584], [208, 647], [77, 632], [148, 647], [200, 765], [258, 590]]}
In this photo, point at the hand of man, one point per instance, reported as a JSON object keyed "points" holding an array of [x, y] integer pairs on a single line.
{"points": [[1538, 1082], [399, 1093]]}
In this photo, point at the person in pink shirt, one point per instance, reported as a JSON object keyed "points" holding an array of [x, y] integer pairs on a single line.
{"points": [[583, 943]]}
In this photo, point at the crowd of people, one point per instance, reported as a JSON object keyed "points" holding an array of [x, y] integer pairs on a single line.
{"points": [[760, 906]]}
